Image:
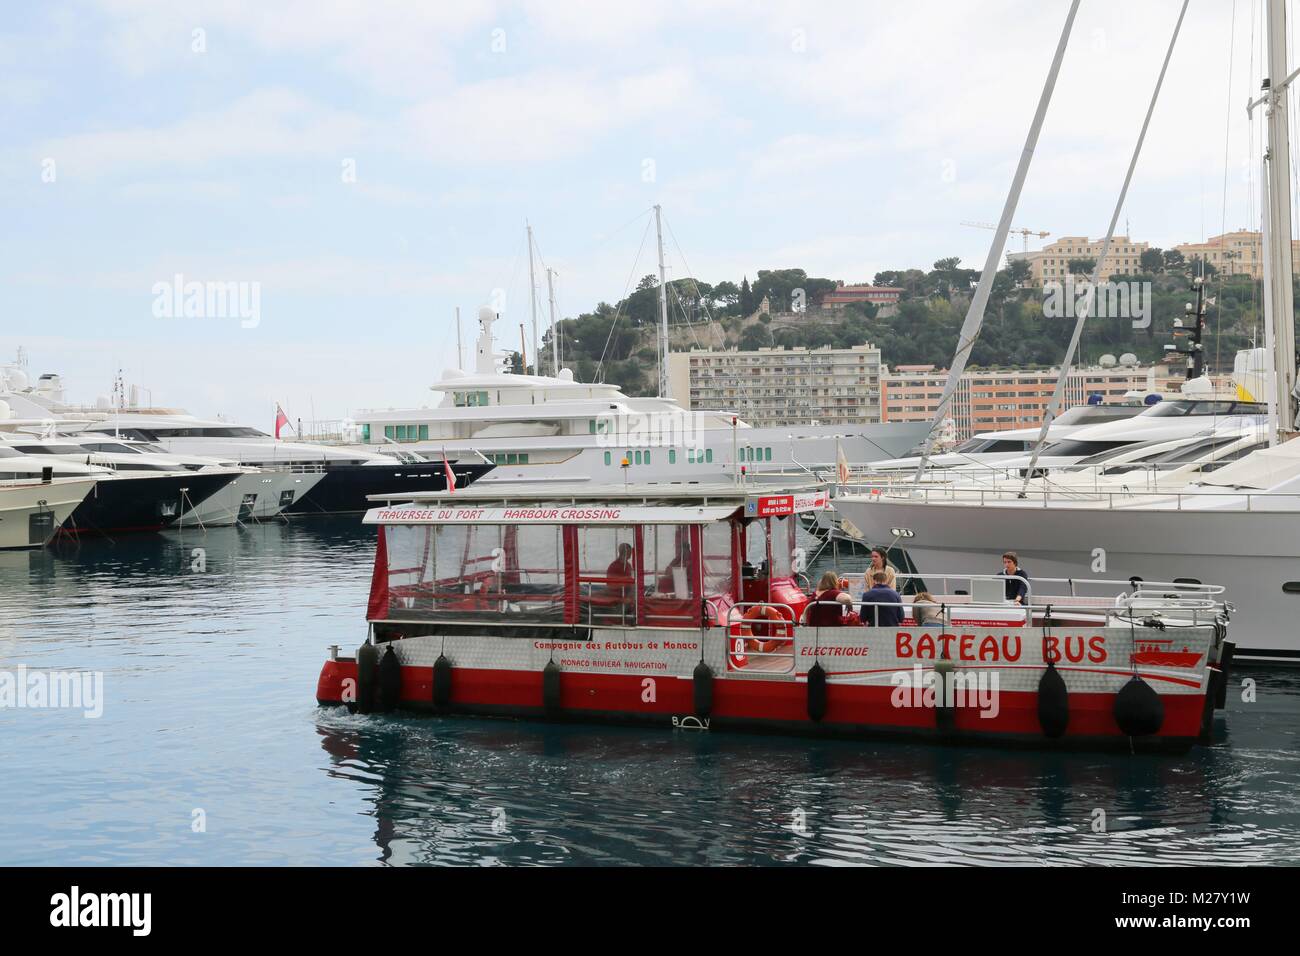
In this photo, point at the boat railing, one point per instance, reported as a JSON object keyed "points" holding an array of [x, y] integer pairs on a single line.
{"points": [[1083, 498], [763, 629]]}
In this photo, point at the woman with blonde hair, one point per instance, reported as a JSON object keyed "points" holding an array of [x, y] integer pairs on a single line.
{"points": [[926, 610], [823, 610]]}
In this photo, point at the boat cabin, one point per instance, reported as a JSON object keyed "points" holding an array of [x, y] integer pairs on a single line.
{"points": [[651, 556]]}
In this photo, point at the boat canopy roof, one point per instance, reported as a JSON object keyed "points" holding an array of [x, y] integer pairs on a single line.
{"points": [[633, 504], [1262, 469]]}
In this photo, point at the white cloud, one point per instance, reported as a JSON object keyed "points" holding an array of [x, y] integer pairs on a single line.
{"points": [[543, 115], [263, 124]]}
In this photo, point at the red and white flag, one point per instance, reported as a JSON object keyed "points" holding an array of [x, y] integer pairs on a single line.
{"points": [[451, 475], [281, 419]]}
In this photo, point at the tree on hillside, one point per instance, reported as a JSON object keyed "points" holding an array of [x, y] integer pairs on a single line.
{"points": [[1153, 260], [747, 303], [726, 295], [1081, 267], [1173, 260]]}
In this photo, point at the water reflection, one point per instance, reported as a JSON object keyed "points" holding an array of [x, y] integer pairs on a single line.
{"points": [[209, 680]]}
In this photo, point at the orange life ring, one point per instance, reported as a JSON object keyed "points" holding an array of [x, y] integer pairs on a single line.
{"points": [[768, 615]]}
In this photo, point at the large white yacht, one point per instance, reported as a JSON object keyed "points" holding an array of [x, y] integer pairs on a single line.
{"points": [[1237, 525], [34, 504], [292, 478], [556, 429]]}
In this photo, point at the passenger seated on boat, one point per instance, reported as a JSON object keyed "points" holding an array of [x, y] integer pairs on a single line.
{"points": [[619, 573], [828, 603], [879, 563], [1017, 591], [926, 610], [667, 583], [881, 605]]}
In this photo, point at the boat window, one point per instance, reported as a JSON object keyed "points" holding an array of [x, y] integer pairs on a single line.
{"points": [[114, 447], [672, 456], [1291, 587], [1194, 451], [783, 544], [1113, 453], [717, 559], [668, 576], [606, 583], [1069, 448], [496, 572], [155, 432], [50, 449]]}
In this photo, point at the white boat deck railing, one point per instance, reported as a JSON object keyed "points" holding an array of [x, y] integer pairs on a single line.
{"points": [[1064, 497]]}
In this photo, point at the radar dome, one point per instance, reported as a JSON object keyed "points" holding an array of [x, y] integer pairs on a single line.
{"points": [[453, 373], [1198, 387], [16, 379], [566, 375], [1128, 358], [1107, 361], [486, 313]]}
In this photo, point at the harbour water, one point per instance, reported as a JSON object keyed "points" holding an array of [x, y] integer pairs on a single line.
{"points": [[210, 749]]}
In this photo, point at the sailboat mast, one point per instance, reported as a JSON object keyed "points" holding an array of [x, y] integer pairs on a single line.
{"points": [[532, 292], [555, 329], [970, 327], [460, 349], [1279, 215], [663, 309]]}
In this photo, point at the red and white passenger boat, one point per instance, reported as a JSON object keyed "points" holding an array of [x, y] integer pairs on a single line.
{"points": [[686, 606]]}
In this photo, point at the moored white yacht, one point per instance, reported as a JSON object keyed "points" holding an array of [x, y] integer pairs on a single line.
{"points": [[539, 428], [1238, 525], [32, 508]]}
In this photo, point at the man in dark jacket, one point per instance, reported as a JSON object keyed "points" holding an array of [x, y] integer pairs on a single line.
{"points": [[1017, 591], [881, 605]]}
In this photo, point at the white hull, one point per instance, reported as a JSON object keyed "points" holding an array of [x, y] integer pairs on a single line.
{"points": [[1252, 554], [582, 458], [19, 502], [268, 487]]}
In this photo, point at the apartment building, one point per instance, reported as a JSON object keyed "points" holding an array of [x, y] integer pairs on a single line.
{"points": [[1052, 262], [999, 399], [780, 386], [1236, 253]]}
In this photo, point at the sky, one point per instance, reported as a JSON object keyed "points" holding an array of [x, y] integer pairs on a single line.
{"points": [[368, 167]]}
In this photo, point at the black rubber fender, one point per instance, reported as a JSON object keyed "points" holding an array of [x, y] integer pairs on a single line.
{"points": [[1139, 710], [442, 682], [390, 680], [816, 692], [1225, 669], [702, 685], [367, 660], [1053, 703], [945, 709], [551, 689]]}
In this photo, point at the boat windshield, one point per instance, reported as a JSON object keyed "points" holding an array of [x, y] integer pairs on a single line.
{"points": [[1185, 407]]}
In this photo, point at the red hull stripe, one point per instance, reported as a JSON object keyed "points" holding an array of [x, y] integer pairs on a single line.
{"points": [[758, 701]]}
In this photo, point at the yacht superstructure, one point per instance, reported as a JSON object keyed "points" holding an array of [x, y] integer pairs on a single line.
{"points": [[539, 428]]}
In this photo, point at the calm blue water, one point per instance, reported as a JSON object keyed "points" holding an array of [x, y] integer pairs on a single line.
{"points": [[209, 682]]}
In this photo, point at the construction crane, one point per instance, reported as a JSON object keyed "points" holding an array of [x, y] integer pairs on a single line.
{"points": [[1024, 233]]}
